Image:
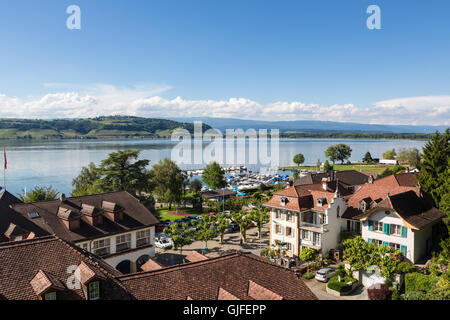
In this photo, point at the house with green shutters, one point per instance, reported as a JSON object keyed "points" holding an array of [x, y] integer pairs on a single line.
{"points": [[404, 222]]}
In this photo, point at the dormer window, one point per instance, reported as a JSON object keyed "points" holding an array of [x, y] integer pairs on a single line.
{"points": [[94, 290], [321, 201], [284, 201], [50, 296], [362, 206]]}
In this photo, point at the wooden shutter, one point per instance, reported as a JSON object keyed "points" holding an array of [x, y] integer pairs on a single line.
{"points": [[404, 232], [403, 250]]}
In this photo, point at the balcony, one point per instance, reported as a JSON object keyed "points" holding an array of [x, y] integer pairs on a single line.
{"points": [[314, 226]]}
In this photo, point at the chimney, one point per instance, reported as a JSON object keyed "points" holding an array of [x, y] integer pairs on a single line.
{"points": [[407, 170], [62, 197], [371, 179], [325, 184]]}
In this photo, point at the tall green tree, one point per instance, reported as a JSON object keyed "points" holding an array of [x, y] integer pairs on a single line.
{"points": [[196, 186], [222, 224], [339, 152], [390, 154], [38, 194], [214, 176], [87, 182], [168, 181], [434, 176], [260, 216], [180, 235], [206, 229], [299, 159], [123, 171], [243, 220], [367, 158], [318, 164]]}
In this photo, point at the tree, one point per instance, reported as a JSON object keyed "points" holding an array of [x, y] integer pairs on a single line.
{"points": [[390, 154], [411, 155], [180, 236], [307, 254], [168, 181], [120, 171], [123, 171], [206, 229], [327, 166], [87, 182], [222, 224], [367, 158], [243, 220], [435, 173], [196, 186], [390, 171], [339, 152], [214, 176], [260, 216], [38, 194], [299, 159]]}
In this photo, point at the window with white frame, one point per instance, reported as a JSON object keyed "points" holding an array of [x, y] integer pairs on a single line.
{"points": [[316, 238], [306, 235], [289, 246], [101, 247], [377, 242], [378, 226], [396, 230], [123, 242], [84, 246], [278, 229], [142, 238], [277, 214], [394, 246], [290, 217], [289, 232]]}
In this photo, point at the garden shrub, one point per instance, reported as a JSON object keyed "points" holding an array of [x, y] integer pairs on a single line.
{"points": [[379, 291], [308, 275], [419, 282], [415, 295], [307, 254], [406, 267]]}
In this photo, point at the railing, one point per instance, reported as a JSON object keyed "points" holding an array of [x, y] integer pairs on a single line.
{"points": [[322, 227]]}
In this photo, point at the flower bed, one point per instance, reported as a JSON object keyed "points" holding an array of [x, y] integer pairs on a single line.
{"points": [[179, 213]]}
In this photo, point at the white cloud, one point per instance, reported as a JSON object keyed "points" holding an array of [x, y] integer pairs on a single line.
{"points": [[144, 101]]}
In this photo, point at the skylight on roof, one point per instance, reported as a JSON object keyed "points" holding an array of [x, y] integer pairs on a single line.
{"points": [[33, 215]]}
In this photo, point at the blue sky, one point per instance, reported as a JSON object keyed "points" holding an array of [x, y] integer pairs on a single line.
{"points": [[307, 59]]}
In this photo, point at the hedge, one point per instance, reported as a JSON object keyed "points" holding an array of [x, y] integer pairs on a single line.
{"points": [[334, 284], [308, 275]]}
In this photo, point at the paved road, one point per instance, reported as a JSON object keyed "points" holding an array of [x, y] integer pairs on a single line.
{"points": [[319, 289]]}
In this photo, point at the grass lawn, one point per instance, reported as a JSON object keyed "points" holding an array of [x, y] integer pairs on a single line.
{"points": [[165, 215], [370, 168]]}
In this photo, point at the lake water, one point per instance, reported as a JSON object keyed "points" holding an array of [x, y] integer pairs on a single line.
{"points": [[56, 163]]}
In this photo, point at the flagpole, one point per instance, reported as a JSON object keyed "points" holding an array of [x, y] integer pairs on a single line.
{"points": [[4, 168]]}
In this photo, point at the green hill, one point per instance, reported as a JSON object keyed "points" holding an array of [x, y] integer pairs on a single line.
{"points": [[101, 127]]}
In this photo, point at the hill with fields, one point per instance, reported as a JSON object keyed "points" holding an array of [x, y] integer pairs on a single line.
{"points": [[94, 128]]}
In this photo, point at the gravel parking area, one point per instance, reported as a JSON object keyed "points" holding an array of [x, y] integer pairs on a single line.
{"points": [[319, 289], [215, 249]]}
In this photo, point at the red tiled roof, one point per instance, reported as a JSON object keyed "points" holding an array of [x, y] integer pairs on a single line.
{"points": [[225, 295], [194, 256], [258, 292], [378, 191], [303, 197], [21, 261], [202, 280], [151, 265]]}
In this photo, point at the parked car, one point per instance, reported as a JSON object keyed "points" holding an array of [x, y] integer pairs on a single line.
{"points": [[232, 228], [163, 243], [325, 274], [160, 226]]}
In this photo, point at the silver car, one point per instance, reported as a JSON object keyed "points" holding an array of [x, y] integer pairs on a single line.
{"points": [[325, 274]]}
